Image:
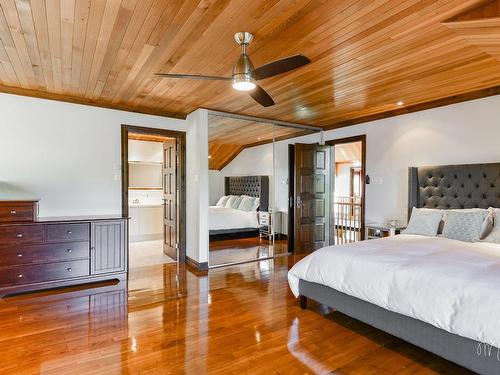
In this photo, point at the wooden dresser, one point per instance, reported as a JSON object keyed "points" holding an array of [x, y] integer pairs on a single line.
{"points": [[54, 252]]}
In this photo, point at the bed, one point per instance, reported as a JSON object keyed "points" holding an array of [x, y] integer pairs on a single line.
{"points": [[440, 294], [228, 223]]}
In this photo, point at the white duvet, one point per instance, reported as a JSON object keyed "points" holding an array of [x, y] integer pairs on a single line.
{"points": [[450, 284], [230, 218]]}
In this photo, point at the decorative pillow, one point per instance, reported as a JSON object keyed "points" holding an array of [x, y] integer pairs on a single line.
{"points": [[494, 236], [222, 201], [441, 223], [464, 226], [230, 201], [247, 203], [424, 222], [237, 202], [487, 225]]}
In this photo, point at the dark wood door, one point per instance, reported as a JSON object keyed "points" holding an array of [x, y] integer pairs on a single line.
{"points": [[108, 247], [311, 206], [170, 198]]}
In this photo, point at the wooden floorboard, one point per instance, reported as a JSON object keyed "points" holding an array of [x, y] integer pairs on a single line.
{"points": [[167, 320]]}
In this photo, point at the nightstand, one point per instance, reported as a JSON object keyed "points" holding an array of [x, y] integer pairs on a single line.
{"points": [[265, 224], [381, 230]]}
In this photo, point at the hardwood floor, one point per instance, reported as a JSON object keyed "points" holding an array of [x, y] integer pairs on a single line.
{"points": [[240, 319], [244, 250]]}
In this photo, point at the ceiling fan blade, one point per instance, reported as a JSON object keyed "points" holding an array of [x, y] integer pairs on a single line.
{"points": [[261, 96], [280, 66], [193, 76]]}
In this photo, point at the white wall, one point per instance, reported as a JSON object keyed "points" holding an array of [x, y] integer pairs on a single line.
{"points": [[461, 133], [197, 186], [67, 155], [145, 151]]}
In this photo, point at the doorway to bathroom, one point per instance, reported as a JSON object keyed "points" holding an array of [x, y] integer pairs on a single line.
{"points": [[153, 195]]}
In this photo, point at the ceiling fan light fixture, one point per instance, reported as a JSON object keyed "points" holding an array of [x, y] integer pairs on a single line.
{"points": [[243, 82]]}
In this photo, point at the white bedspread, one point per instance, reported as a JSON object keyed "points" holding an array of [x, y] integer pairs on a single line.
{"points": [[230, 218], [450, 284]]}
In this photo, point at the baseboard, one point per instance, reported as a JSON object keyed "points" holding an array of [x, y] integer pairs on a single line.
{"points": [[190, 262]]}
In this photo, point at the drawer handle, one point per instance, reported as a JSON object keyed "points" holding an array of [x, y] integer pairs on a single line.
{"points": [[20, 255], [20, 275], [13, 212], [69, 269], [69, 250], [69, 232], [19, 235]]}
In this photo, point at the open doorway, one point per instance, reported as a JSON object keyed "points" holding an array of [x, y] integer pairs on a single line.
{"points": [[348, 192], [153, 194], [326, 193]]}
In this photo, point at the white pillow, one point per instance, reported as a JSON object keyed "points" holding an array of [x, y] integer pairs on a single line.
{"points": [[222, 201], [247, 203], [237, 202], [424, 222], [230, 201]]}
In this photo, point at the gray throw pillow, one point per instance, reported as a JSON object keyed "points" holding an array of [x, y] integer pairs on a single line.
{"points": [[464, 226], [424, 222]]}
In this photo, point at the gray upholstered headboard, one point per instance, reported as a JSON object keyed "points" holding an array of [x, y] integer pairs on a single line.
{"points": [[454, 186], [253, 186]]}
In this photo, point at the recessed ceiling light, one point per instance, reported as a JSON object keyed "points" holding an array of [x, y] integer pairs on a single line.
{"points": [[400, 103], [259, 138], [210, 156]]}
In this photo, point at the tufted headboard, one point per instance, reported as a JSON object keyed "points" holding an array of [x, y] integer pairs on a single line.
{"points": [[253, 186], [454, 186]]}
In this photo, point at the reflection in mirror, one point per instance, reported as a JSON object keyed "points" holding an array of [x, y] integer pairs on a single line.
{"points": [[245, 222]]}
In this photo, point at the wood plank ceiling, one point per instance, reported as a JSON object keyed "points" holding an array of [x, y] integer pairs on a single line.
{"points": [[227, 137], [367, 55]]}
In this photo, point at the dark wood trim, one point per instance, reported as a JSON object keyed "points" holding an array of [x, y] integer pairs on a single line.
{"points": [[181, 179], [86, 101], [291, 198], [362, 139], [190, 262], [454, 99]]}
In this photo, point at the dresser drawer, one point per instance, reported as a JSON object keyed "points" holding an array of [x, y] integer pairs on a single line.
{"points": [[25, 254], [68, 232], [43, 272], [21, 234], [17, 211]]}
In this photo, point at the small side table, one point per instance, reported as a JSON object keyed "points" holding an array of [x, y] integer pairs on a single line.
{"points": [[265, 224], [381, 230]]}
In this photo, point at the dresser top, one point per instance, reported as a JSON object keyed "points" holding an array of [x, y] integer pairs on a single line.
{"points": [[67, 219]]}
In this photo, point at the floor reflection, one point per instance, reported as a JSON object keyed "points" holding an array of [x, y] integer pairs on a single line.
{"points": [[244, 250], [170, 320]]}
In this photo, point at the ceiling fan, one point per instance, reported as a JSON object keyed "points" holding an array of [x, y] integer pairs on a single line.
{"points": [[245, 75]]}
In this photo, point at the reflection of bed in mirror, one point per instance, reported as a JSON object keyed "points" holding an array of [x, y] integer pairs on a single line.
{"points": [[231, 220]]}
